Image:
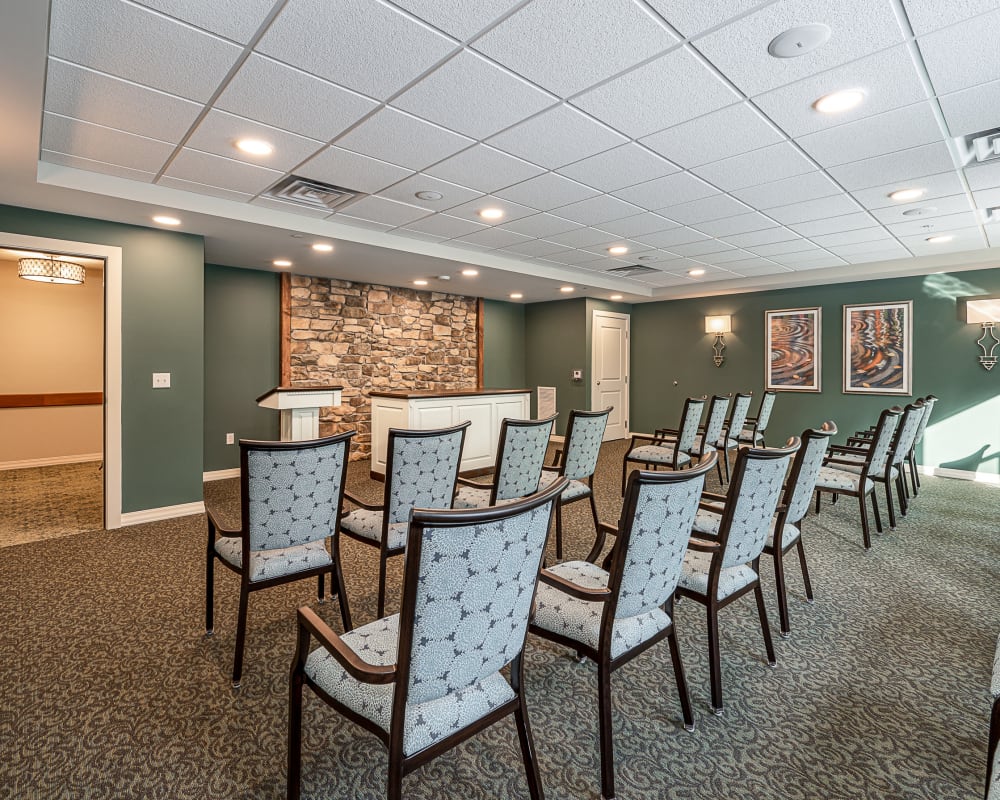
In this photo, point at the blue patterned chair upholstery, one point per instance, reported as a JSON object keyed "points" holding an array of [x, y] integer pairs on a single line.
{"points": [[755, 427], [835, 480], [290, 498], [729, 440], [929, 402], [577, 462], [992, 751], [520, 457], [707, 441], [430, 676], [718, 571], [420, 472], [613, 615], [667, 447]]}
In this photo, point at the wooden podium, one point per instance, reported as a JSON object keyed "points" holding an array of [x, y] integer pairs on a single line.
{"points": [[299, 407]]}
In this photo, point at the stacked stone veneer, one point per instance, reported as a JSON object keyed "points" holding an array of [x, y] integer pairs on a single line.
{"points": [[368, 337]]}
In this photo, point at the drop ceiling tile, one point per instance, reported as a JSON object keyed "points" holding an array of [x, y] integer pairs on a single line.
{"points": [[847, 222], [218, 133], [691, 17], [547, 191], [890, 247], [972, 110], [929, 209], [757, 269], [541, 226], [667, 91], [386, 212], [76, 138], [536, 248], [134, 43], [289, 208], [573, 257], [293, 100], [888, 78], [727, 132], [657, 258], [708, 208], [929, 15], [235, 19], [861, 235], [634, 249], [512, 210], [758, 166], [928, 159], [797, 189], [741, 223], [726, 257], [619, 167], [833, 206], [993, 234], [445, 226], [355, 56], [765, 236], [983, 176], [352, 170], [960, 56], [702, 250], [987, 198], [224, 173], [424, 237], [582, 237], [668, 239], [740, 48], [566, 46], [557, 137], [882, 255], [934, 186], [406, 192], [873, 136], [783, 248], [671, 190], [402, 139], [73, 91], [459, 18], [603, 208], [470, 95], [362, 223], [639, 225], [97, 166], [202, 188], [810, 262], [484, 169], [932, 227], [963, 239]]}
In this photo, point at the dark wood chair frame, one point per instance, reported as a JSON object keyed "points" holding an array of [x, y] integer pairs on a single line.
{"points": [[728, 428], [246, 586], [716, 545], [601, 655], [663, 436], [310, 625], [386, 552], [992, 742], [754, 422]]}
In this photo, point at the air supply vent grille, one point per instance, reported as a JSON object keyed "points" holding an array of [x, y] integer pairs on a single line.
{"points": [[632, 270], [310, 193]]}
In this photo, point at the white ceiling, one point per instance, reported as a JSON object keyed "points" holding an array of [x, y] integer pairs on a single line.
{"points": [[662, 126]]}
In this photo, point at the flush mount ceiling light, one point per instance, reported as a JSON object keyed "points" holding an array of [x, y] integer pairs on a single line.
{"points": [[694, 273], [566, 289], [51, 270], [282, 262], [838, 102], [799, 40], [429, 195], [939, 239], [162, 219], [516, 296], [616, 297], [905, 195], [470, 273], [323, 247], [420, 282], [618, 250], [491, 213], [255, 147]]}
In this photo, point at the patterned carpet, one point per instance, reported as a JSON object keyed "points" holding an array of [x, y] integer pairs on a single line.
{"points": [[47, 502], [111, 691]]}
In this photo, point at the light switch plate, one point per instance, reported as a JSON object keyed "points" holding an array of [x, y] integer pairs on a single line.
{"points": [[230, 438], [161, 380]]}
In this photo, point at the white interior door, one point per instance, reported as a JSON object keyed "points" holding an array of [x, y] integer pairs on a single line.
{"points": [[610, 368]]}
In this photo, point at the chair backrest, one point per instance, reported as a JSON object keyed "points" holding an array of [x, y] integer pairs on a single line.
{"points": [[741, 407], [291, 492], [584, 434], [913, 415], [421, 469], [753, 497], [468, 586], [805, 470], [523, 443], [929, 403], [878, 452], [716, 420], [690, 420], [657, 517], [764, 412]]}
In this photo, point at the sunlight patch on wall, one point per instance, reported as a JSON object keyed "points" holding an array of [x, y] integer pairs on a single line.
{"points": [[967, 441]]}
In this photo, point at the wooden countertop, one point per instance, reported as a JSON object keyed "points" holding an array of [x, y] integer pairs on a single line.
{"points": [[432, 393]]}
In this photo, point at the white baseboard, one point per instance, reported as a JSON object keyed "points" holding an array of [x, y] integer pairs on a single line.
{"points": [[960, 474], [221, 474], [164, 512], [52, 461]]}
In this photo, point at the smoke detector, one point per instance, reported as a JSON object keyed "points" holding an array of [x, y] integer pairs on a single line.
{"points": [[799, 41]]}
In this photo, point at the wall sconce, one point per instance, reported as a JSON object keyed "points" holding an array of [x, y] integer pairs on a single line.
{"points": [[983, 310], [719, 325]]}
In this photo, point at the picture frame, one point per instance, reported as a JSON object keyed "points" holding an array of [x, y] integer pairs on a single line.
{"points": [[793, 352], [878, 348]]}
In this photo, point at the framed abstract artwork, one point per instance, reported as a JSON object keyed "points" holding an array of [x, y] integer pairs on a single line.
{"points": [[793, 358], [878, 356]]}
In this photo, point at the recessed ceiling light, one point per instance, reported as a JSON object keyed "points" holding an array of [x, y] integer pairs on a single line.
{"points": [[470, 273], [255, 147], [618, 250], [429, 195], [939, 239], [516, 296], [566, 289], [837, 102], [616, 297], [694, 273], [903, 195], [282, 262], [798, 41], [491, 213], [420, 282], [323, 247], [160, 219]]}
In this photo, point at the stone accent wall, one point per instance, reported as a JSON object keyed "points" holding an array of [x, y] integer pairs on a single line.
{"points": [[368, 337]]}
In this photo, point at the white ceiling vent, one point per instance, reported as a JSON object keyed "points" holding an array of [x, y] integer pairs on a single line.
{"points": [[992, 214], [631, 270], [307, 192], [978, 148]]}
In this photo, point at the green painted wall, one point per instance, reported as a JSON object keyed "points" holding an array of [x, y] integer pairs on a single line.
{"points": [[555, 344], [503, 345], [241, 359], [672, 359], [162, 331]]}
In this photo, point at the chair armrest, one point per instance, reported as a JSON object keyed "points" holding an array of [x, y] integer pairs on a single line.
{"points": [[362, 503], [718, 498], [474, 484], [840, 448], [641, 437], [556, 458], [666, 433], [222, 530], [703, 546], [356, 667], [859, 441], [845, 461], [709, 507], [570, 588], [606, 527]]}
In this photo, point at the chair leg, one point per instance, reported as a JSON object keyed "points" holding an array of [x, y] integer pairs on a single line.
{"points": [[904, 505], [682, 688], [321, 588], [718, 466], [866, 533], [394, 782], [819, 495], [624, 475], [381, 584], [558, 531], [604, 722], [779, 585], [892, 508], [210, 587], [524, 732], [241, 635], [294, 782], [593, 511], [914, 475], [337, 585], [805, 570], [714, 659], [764, 627], [726, 461], [878, 516], [595, 551]]}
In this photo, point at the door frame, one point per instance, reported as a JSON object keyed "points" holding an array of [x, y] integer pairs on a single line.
{"points": [[628, 359], [112, 354]]}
